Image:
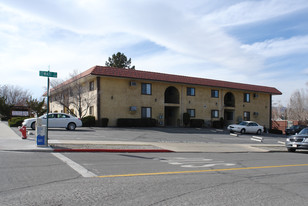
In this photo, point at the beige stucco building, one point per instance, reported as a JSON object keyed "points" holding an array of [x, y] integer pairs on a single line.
{"points": [[124, 93]]}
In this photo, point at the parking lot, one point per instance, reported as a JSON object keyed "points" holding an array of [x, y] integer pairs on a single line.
{"points": [[159, 134]]}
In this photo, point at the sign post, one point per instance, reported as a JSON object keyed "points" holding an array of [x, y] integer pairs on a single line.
{"points": [[48, 74]]}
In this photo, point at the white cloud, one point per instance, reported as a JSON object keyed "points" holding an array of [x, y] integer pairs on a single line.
{"points": [[252, 11], [78, 34], [279, 47], [158, 22]]}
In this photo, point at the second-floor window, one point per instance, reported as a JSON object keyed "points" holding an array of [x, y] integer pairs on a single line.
{"points": [[91, 85], [190, 91], [246, 97], [146, 88], [215, 93]]}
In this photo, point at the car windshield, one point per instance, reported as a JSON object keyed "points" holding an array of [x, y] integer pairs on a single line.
{"points": [[243, 123], [304, 132]]}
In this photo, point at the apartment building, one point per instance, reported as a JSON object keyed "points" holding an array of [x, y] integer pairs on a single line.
{"points": [[125, 93]]}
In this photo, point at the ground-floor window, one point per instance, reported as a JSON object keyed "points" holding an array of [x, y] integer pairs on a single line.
{"points": [[191, 112], [91, 110], [246, 116], [214, 113], [146, 112]]}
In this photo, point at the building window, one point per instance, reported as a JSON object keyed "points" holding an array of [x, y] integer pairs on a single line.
{"points": [[91, 110], [91, 85], [71, 93], [246, 116], [146, 88], [214, 113], [190, 91], [215, 93], [246, 97], [146, 112], [191, 112]]}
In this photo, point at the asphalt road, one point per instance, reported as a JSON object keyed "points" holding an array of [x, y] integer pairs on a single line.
{"points": [[153, 179]]}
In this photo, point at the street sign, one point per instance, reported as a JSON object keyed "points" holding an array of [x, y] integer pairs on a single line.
{"points": [[43, 140], [48, 74]]}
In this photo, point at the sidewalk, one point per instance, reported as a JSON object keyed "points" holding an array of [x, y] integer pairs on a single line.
{"points": [[9, 140]]}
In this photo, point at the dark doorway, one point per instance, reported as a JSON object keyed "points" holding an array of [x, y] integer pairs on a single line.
{"points": [[229, 116], [172, 95], [171, 116]]}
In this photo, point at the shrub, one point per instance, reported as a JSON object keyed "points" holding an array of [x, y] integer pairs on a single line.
{"points": [[186, 119], [105, 122], [142, 122], [196, 123], [16, 121], [88, 121], [217, 124]]}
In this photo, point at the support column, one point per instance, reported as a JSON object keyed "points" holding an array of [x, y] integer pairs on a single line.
{"points": [[98, 101]]}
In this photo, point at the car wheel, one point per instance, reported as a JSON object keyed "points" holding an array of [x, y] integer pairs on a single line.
{"points": [[71, 126], [259, 132], [291, 150], [33, 126], [243, 131]]}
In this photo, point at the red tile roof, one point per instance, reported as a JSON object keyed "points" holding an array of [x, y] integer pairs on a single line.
{"points": [[137, 74]]}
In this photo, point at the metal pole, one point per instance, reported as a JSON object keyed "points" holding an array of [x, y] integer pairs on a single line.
{"points": [[47, 109]]}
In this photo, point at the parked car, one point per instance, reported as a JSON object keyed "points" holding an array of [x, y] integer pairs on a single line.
{"points": [[246, 127], [298, 141], [55, 120], [294, 129]]}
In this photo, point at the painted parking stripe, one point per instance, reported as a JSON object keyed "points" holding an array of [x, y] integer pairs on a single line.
{"points": [[202, 171], [193, 162], [77, 167]]}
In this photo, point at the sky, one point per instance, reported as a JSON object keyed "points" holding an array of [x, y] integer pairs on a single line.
{"points": [[261, 42]]}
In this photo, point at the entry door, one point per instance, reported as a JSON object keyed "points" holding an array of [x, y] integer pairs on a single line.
{"points": [[171, 116], [229, 116]]}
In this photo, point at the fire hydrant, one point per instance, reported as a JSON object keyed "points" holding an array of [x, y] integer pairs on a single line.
{"points": [[23, 131]]}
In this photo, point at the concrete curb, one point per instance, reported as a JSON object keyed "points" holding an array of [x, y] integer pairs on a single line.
{"points": [[115, 150]]}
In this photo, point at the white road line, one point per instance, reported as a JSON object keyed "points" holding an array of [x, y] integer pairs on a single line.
{"points": [[77, 167], [256, 138], [280, 142]]}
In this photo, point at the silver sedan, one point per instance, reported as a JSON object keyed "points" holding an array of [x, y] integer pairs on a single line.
{"points": [[298, 141]]}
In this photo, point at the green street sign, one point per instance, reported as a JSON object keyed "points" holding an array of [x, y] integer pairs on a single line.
{"points": [[48, 74]]}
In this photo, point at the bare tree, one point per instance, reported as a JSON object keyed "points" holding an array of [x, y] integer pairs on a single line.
{"points": [[60, 93], [279, 111], [14, 95], [73, 94], [297, 107]]}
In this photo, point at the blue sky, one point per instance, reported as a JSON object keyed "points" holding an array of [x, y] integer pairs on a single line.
{"points": [[262, 42]]}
